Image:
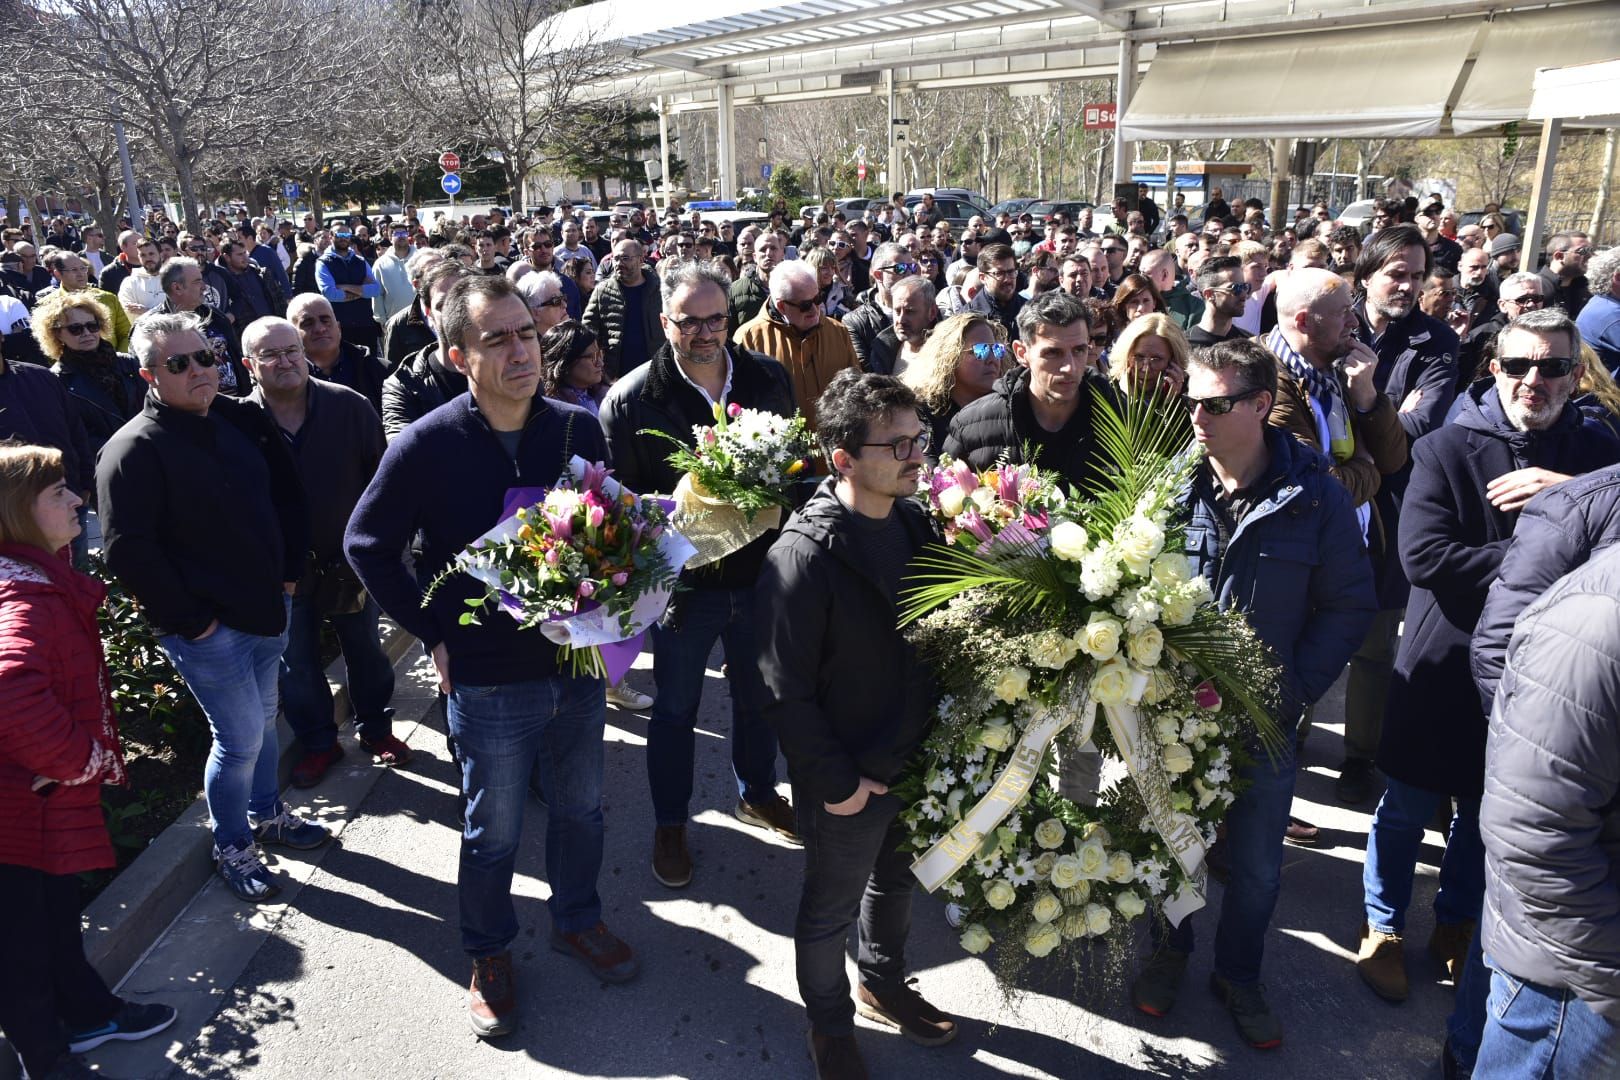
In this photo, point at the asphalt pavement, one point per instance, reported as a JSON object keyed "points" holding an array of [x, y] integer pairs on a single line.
{"points": [[358, 971]]}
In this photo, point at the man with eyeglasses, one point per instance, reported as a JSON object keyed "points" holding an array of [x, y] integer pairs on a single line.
{"points": [[791, 329], [1513, 435], [336, 441], [183, 291], [691, 374], [1563, 279], [1225, 293], [623, 312], [1256, 492], [875, 310], [1114, 249], [1519, 293], [1599, 320], [214, 575], [850, 700], [395, 291], [999, 297], [1044, 403], [349, 284]]}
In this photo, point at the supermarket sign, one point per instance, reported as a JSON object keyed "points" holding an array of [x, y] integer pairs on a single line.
{"points": [[1101, 116]]}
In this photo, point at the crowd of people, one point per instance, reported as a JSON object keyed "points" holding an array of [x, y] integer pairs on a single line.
{"points": [[1410, 468]]}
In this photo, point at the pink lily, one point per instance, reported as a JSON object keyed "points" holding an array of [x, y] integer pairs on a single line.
{"points": [[971, 522]]}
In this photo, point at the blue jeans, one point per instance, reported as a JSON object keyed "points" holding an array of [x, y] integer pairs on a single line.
{"points": [[503, 733], [1392, 854], [233, 677], [1254, 836], [305, 694], [1466, 1025], [1535, 1031], [681, 647]]}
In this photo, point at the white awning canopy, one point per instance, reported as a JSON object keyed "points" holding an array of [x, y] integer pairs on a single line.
{"points": [[1586, 95], [1517, 44], [1366, 82]]}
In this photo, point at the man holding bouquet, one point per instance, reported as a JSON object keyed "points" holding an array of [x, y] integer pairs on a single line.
{"points": [[511, 710], [678, 389]]}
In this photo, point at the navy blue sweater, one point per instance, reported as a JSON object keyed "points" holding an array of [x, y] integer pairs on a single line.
{"points": [[446, 477]]}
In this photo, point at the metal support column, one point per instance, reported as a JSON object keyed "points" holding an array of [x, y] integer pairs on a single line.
{"points": [[663, 146], [891, 179], [1124, 87], [726, 132], [1535, 243]]}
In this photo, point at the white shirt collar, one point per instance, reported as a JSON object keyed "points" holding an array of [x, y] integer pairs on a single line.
{"points": [[725, 391]]}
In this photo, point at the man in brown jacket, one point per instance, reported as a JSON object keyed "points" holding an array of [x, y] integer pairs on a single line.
{"points": [[791, 329], [1327, 399]]}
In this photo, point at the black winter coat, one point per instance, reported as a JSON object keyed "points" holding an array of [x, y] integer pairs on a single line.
{"points": [[103, 414], [656, 396], [604, 315], [864, 324], [1002, 422], [1452, 541], [845, 692], [203, 517], [405, 333], [1558, 530], [420, 385]]}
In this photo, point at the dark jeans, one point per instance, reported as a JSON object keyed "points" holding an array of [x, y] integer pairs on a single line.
{"points": [[504, 733], [45, 981], [306, 697], [1466, 1025], [1254, 838], [1366, 688], [854, 870], [680, 655]]}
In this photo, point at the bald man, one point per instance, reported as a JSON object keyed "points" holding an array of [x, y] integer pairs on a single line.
{"points": [[1185, 306], [331, 358]]}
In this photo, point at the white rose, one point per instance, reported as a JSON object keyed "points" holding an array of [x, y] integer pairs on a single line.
{"points": [[1042, 939], [951, 501], [1166, 730], [1161, 684], [1139, 541], [1000, 895], [1093, 859], [1045, 908], [1120, 868], [1129, 904], [1171, 569], [1177, 758], [1066, 872], [1100, 637], [976, 939], [1112, 684], [1012, 685], [984, 499], [996, 735], [1098, 920], [1052, 650], [1069, 541], [1146, 647], [1050, 833], [1043, 865], [1177, 609]]}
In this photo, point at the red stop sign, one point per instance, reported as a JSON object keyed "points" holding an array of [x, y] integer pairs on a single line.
{"points": [[450, 161], [860, 171]]}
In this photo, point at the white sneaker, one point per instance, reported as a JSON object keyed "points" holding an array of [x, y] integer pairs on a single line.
{"points": [[627, 697]]}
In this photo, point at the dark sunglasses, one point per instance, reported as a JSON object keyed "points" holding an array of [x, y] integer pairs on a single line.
{"points": [[1239, 289], [1527, 300], [203, 358], [555, 301], [1219, 406], [900, 268], [91, 327], [1553, 367], [993, 350], [803, 307]]}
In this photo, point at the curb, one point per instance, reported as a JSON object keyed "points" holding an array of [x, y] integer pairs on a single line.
{"points": [[133, 912]]}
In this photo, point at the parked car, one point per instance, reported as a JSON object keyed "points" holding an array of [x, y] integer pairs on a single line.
{"points": [[1047, 208], [1514, 219], [958, 210], [1013, 207], [1358, 214], [855, 207], [967, 194]]}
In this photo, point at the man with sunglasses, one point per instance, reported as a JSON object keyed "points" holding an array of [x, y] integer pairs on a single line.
{"points": [[691, 374], [623, 312], [1259, 493], [1225, 293], [875, 310], [395, 290], [184, 291], [1518, 294], [1563, 278], [348, 283], [204, 522], [791, 329], [850, 700], [1512, 436]]}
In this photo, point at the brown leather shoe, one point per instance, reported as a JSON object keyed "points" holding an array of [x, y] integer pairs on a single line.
{"points": [[775, 815], [906, 1009], [836, 1057], [671, 861], [602, 953], [491, 1001], [1300, 831], [1449, 945], [1381, 961]]}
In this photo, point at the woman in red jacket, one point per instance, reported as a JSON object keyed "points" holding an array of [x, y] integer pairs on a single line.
{"points": [[58, 745]]}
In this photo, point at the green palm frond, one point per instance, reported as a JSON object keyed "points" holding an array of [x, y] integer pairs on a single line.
{"points": [[1226, 651], [1022, 578], [1144, 448]]}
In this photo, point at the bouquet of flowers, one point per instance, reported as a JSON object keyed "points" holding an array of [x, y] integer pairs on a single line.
{"points": [[587, 562], [1039, 614], [737, 477]]}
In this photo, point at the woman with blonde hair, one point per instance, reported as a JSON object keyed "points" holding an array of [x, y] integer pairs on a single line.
{"points": [[959, 364], [58, 746], [1597, 395], [1150, 355], [72, 330]]}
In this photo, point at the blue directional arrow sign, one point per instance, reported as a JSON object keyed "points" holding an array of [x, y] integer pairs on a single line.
{"points": [[451, 182]]}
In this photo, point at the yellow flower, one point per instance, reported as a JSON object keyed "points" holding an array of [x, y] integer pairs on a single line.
{"points": [[1177, 758], [996, 735]]}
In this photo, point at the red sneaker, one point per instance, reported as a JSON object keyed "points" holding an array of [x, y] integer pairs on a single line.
{"points": [[312, 767], [388, 750]]}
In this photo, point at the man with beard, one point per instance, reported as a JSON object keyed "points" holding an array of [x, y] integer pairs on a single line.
{"points": [[1475, 289], [1563, 279], [141, 290], [623, 311], [999, 299], [1225, 292], [331, 359], [678, 389], [347, 282]]}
